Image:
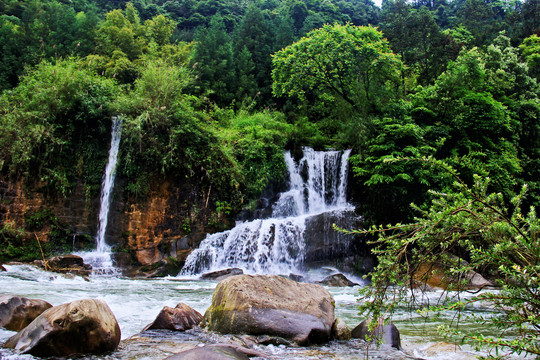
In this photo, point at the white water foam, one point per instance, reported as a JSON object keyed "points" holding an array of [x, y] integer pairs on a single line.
{"points": [[317, 184]]}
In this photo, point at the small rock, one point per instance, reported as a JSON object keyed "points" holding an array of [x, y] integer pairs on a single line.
{"points": [[340, 330], [272, 340], [295, 277], [337, 280], [66, 264], [389, 333], [447, 350], [181, 318], [2, 268], [80, 327], [16, 312], [221, 274], [210, 352]]}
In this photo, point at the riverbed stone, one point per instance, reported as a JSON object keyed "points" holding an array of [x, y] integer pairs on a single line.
{"points": [[340, 330], [271, 305], [435, 275], [16, 312], [81, 327], [180, 318], [66, 264], [336, 280], [210, 352], [387, 333], [221, 274]]}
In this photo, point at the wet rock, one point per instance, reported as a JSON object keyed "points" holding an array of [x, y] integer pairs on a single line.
{"points": [[16, 312], [79, 327], [453, 351], [221, 274], [340, 330], [210, 352], [435, 275], [273, 340], [2, 268], [66, 264], [389, 334], [337, 280], [271, 305], [180, 318], [295, 277]]}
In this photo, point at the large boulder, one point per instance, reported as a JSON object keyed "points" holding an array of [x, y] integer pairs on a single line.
{"points": [[271, 305], [16, 312], [386, 333], [79, 327], [180, 318]]}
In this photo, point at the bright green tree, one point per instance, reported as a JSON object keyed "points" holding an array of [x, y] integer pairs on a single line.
{"points": [[339, 62]]}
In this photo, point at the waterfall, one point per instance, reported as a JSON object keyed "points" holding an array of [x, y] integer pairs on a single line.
{"points": [[107, 185], [317, 185], [100, 259]]}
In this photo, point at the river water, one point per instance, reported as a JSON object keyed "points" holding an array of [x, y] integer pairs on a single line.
{"points": [[136, 303]]}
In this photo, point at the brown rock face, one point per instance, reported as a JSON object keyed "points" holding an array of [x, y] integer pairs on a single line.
{"points": [[435, 275], [79, 327], [180, 318], [17, 312], [271, 305]]}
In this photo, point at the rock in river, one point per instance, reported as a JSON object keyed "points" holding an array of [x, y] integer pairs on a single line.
{"points": [[271, 305], [180, 318], [337, 280], [388, 332], [79, 327], [16, 312]]}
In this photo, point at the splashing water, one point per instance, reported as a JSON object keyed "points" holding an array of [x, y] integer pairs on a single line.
{"points": [[317, 184]]}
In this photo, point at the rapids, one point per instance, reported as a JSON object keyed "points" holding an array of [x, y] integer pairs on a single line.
{"points": [[136, 302]]}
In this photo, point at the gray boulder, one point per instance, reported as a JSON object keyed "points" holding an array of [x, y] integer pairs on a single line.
{"points": [[16, 312], [386, 333], [271, 305], [180, 318], [79, 327]]}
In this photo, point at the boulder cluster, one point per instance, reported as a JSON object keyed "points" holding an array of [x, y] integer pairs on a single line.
{"points": [[272, 309]]}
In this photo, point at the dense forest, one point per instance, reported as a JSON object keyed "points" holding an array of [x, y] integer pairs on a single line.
{"points": [[213, 92]]}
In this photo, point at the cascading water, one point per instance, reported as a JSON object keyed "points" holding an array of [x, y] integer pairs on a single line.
{"points": [[100, 259], [277, 245]]}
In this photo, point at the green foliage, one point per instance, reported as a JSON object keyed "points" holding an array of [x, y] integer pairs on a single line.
{"points": [[530, 49], [345, 62], [55, 123], [475, 225], [257, 142]]}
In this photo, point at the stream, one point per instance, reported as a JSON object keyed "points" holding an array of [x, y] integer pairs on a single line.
{"points": [[136, 303]]}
